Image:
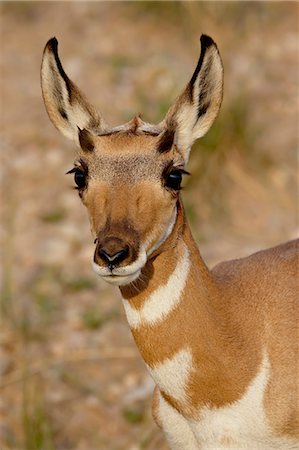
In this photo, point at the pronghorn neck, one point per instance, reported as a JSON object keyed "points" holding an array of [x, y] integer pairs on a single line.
{"points": [[171, 311], [177, 257]]}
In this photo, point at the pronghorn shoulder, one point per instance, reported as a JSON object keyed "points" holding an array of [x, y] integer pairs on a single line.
{"points": [[282, 259]]}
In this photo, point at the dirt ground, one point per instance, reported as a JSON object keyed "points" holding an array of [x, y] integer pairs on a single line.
{"points": [[71, 376]]}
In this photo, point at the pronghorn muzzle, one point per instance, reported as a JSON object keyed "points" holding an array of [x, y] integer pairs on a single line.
{"points": [[112, 251], [117, 245], [119, 256]]}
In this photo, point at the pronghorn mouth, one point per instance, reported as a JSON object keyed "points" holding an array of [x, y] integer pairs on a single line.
{"points": [[121, 276], [118, 280]]}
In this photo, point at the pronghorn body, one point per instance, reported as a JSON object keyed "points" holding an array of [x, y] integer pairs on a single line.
{"points": [[221, 345]]}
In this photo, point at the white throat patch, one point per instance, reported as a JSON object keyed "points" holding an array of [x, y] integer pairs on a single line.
{"points": [[163, 300], [172, 374]]}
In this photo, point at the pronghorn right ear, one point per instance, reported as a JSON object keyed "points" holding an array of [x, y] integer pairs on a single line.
{"points": [[67, 107], [191, 116]]}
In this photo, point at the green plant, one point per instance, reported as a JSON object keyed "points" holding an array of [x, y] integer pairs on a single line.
{"points": [[37, 424], [92, 319], [133, 415]]}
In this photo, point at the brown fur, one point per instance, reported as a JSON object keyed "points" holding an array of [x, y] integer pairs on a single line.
{"points": [[229, 317]]}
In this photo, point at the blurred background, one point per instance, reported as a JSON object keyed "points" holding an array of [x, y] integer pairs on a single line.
{"points": [[71, 377]]}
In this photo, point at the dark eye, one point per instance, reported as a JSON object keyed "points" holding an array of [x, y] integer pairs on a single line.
{"points": [[80, 178], [173, 180]]}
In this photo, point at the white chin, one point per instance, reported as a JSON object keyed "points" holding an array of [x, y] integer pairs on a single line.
{"points": [[117, 280]]}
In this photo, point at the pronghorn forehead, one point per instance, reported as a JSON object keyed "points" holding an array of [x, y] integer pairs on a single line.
{"points": [[126, 142], [128, 156], [129, 167]]}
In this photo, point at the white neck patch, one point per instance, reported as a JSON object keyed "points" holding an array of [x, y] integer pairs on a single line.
{"points": [[172, 374], [164, 235], [163, 300]]}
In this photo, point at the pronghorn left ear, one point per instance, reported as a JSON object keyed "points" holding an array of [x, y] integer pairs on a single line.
{"points": [[196, 108], [66, 105]]}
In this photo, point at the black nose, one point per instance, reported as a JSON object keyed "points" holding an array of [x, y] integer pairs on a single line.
{"points": [[112, 251], [114, 259]]}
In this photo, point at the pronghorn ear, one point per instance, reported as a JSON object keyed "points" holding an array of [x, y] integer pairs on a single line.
{"points": [[67, 107], [197, 107]]}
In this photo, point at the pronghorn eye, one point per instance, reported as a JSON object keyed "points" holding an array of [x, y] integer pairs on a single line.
{"points": [[173, 180], [80, 178]]}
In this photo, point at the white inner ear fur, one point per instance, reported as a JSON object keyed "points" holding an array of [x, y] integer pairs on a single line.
{"points": [[79, 113], [207, 89]]}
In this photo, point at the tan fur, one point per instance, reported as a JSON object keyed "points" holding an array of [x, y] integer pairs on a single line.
{"points": [[227, 441], [155, 407], [229, 329], [233, 324]]}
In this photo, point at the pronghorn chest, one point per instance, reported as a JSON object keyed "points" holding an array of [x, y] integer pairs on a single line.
{"points": [[168, 346], [241, 425]]}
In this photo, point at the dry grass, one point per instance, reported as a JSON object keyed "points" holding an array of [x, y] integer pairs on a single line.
{"points": [[71, 377]]}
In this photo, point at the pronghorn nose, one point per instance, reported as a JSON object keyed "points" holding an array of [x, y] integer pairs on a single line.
{"points": [[113, 251]]}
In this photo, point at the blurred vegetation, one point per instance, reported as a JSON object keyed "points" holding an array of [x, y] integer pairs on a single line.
{"points": [[56, 215], [133, 415], [37, 423], [52, 307]]}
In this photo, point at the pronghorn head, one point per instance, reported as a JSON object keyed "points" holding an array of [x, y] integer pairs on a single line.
{"points": [[129, 176]]}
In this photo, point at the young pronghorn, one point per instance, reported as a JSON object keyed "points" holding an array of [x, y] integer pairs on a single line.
{"points": [[221, 344]]}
